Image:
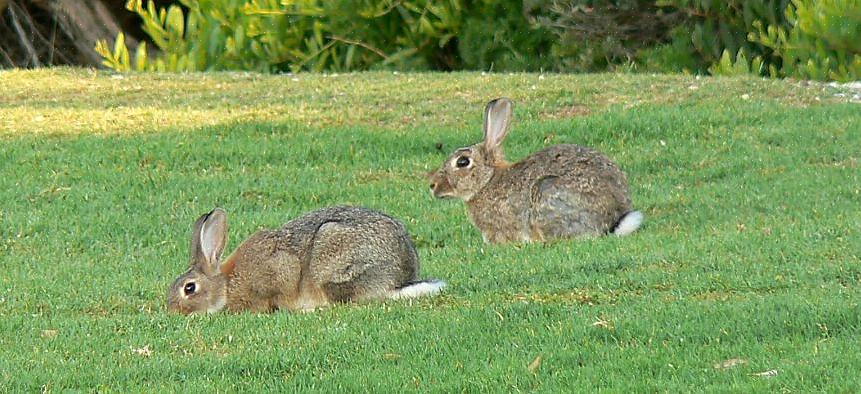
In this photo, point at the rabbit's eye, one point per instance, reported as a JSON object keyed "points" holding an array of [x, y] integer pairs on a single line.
{"points": [[189, 288], [462, 161]]}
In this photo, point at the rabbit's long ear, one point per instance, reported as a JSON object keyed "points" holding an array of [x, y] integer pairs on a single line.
{"points": [[208, 240], [497, 122]]}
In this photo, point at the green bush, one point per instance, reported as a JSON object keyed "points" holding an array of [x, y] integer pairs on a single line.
{"points": [[338, 35], [810, 39], [823, 40], [504, 35], [780, 38], [275, 35], [216, 35], [662, 35], [595, 35], [387, 33], [676, 55], [714, 27]]}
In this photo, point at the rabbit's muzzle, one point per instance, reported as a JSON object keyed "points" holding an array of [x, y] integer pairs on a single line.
{"points": [[174, 306], [439, 184]]}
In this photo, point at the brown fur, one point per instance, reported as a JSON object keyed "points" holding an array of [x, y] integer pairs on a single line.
{"points": [[562, 191], [337, 254]]}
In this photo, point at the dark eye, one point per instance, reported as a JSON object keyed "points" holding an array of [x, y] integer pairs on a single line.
{"points": [[462, 161], [189, 288]]}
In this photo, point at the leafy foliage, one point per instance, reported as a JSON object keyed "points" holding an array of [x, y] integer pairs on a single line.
{"points": [[739, 65], [713, 27], [340, 35], [598, 34], [665, 35], [823, 41], [798, 38], [779, 38], [505, 35], [274, 35]]}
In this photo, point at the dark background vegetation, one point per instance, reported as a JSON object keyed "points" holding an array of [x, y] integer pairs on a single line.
{"points": [[779, 38], [36, 33]]}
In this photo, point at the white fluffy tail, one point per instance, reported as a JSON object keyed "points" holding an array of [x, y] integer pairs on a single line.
{"points": [[629, 223], [419, 289]]}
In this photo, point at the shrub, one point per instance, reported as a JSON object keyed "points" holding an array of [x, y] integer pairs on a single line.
{"points": [[399, 34], [713, 27], [797, 38], [505, 35], [213, 35], [276, 35], [599, 34], [807, 39], [663, 35], [823, 40]]}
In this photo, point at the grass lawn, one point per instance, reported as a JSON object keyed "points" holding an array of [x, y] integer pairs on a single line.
{"points": [[750, 251]]}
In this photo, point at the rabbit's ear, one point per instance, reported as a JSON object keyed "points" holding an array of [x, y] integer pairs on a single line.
{"points": [[209, 239], [497, 120]]}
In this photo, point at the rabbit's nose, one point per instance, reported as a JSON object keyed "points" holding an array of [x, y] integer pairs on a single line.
{"points": [[433, 185]]}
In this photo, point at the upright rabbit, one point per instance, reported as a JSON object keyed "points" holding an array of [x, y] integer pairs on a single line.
{"points": [[562, 191], [336, 254]]}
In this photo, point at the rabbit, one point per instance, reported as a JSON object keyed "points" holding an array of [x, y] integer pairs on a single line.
{"points": [[332, 255], [560, 192]]}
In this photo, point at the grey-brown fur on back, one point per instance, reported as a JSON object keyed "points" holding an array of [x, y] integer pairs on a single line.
{"points": [[330, 255], [562, 191], [373, 252]]}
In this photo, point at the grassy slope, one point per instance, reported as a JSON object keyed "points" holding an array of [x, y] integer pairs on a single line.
{"points": [[751, 248]]}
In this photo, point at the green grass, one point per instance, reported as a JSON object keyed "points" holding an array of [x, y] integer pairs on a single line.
{"points": [[750, 250]]}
